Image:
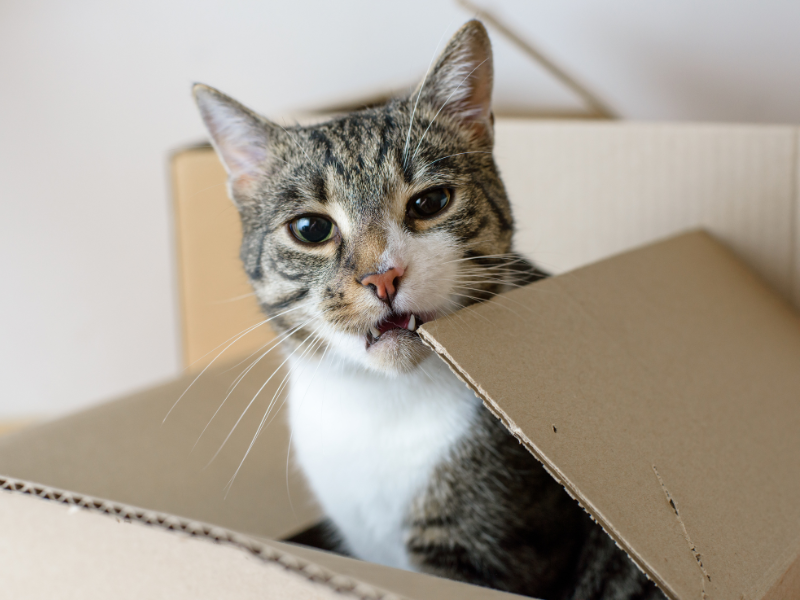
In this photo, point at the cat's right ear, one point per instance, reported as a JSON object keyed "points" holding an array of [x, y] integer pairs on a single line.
{"points": [[460, 83], [240, 137]]}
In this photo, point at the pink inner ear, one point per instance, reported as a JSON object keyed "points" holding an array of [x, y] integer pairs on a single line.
{"points": [[471, 103], [244, 158], [243, 185], [244, 165], [238, 134]]}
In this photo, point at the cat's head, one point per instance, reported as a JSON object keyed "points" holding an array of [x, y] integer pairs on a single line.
{"points": [[360, 229]]}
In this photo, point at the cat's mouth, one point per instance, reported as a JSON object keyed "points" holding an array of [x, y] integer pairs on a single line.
{"points": [[394, 325]]}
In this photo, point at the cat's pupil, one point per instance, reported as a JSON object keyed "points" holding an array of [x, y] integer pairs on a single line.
{"points": [[312, 229], [430, 203]]}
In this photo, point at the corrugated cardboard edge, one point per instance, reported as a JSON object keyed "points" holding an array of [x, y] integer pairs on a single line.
{"points": [[257, 549], [550, 467]]}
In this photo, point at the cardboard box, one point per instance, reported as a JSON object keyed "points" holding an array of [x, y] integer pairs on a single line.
{"points": [[216, 300], [581, 191], [661, 387]]}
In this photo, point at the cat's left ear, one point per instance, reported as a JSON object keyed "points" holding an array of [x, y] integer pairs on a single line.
{"points": [[240, 137], [461, 82]]}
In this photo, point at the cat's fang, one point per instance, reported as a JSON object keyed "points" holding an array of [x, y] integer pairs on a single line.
{"points": [[374, 331], [412, 324]]}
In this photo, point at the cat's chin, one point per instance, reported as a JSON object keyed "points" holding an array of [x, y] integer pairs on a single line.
{"points": [[396, 352]]}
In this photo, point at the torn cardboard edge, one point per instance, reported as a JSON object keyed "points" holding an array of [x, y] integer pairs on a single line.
{"points": [[571, 489], [255, 548]]}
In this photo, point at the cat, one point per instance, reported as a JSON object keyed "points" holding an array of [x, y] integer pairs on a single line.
{"points": [[356, 231]]}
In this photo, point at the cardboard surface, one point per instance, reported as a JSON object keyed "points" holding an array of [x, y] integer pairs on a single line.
{"points": [[584, 191], [662, 388], [121, 451], [52, 550], [217, 302], [404, 583], [580, 190]]}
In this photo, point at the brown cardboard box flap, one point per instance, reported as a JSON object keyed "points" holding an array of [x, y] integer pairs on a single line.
{"points": [[67, 548], [661, 387], [127, 452], [76, 546]]}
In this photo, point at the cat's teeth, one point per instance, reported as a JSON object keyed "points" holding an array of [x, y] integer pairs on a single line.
{"points": [[375, 333], [412, 323]]}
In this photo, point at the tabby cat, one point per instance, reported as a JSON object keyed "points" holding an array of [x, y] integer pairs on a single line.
{"points": [[356, 232]]}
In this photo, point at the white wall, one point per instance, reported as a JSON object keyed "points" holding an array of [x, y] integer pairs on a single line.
{"points": [[94, 95]]}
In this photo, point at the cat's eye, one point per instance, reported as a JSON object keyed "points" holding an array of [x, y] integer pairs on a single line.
{"points": [[312, 229], [429, 203]]}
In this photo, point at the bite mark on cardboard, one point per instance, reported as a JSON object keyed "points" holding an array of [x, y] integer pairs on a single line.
{"points": [[697, 556]]}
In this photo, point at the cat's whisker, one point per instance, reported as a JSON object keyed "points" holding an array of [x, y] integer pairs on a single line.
{"points": [[452, 155], [481, 300], [517, 258], [272, 403], [498, 267], [246, 330], [236, 339], [463, 322], [288, 490], [205, 189], [420, 367], [234, 299], [488, 281], [500, 280], [416, 102], [249, 356], [239, 420], [296, 141], [460, 305], [501, 274], [284, 383], [501, 296], [513, 278], [275, 343], [244, 371]]}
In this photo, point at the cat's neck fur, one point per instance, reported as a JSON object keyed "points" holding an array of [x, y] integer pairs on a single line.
{"points": [[368, 444]]}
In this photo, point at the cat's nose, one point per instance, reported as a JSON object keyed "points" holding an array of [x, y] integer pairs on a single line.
{"points": [[384, 284]]}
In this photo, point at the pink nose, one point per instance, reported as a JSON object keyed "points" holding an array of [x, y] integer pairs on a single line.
{"points": [[385, 284]]}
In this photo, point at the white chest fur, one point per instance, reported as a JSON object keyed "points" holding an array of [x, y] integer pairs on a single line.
{"points": [[368, 444]]}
